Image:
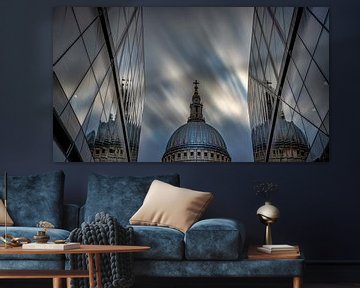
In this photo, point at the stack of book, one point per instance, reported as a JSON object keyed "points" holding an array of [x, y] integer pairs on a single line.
{"points": [[279, 249], [51, 246], [282, 251]]}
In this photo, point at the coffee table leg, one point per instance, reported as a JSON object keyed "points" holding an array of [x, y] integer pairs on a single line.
{"points": [[91, 270], [57, 283], [68, 282], [297, 282], [98, 270]]}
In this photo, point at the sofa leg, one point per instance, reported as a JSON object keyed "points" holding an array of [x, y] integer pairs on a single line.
{"points": [[297, 282], [57, 283]]}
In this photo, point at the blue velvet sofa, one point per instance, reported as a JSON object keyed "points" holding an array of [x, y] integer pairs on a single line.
{"points": [[32, 199], [210, 248]]}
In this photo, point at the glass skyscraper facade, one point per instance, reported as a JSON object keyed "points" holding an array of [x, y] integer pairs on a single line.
{"points": [[288, 86], [98, 83]]}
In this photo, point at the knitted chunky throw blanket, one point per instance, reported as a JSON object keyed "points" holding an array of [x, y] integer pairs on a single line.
{"points": [[116, 268]]}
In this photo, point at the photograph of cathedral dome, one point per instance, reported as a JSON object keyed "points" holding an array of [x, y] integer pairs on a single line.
{"points": [[215, 84], [196, 141]]}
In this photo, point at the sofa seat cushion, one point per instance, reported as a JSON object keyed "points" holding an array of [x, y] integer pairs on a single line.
{"points": [[214, 239], [29, 232], [120, 196], [166, 243]]}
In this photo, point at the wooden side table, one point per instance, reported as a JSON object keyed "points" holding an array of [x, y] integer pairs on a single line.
{"points": [[254, 254], [93, 251]]}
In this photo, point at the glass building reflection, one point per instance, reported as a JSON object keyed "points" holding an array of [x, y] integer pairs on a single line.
{"points": [[98, 76], [288, 88]]}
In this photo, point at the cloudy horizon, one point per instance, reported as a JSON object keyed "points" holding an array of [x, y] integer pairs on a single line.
{"points": [[208, 44]]}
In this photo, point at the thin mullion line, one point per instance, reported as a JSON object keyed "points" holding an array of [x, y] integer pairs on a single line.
{"points": [[125, 32], [137, 73], [308, 69], [317, 135], [297, 101], [126, 100], [317, 19], [77, 38], [268, 45], [83, 77], [86, 72], [306, 73], [83, 129], [134, 40], [312, 55], [302, 116], [92, 104], [258, 44], [97, 84]]}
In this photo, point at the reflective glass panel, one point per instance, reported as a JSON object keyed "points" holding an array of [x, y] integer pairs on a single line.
{"points": [[309, 31], [72, 68], [301, 57], [85, 15], [318, 89], [307, 108], [84, 96], [94, 39], [65, 31], [321, 55]]}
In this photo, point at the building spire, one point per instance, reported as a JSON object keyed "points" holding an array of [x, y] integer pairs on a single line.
{"points": [[196, 106]]}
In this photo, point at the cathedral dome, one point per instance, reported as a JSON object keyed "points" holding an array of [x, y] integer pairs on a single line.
{"points": [[196, 135], [285, 132], [289, 142], [196, 141]]}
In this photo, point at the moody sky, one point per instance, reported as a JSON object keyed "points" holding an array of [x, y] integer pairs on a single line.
{"points": [[212, 45]]}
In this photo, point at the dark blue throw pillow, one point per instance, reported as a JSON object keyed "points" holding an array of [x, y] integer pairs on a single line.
{"points": [[120, 196], [35, 198]]}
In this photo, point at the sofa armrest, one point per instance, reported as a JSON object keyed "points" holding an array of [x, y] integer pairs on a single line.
{"points": [[215, 239], [70, 216]]}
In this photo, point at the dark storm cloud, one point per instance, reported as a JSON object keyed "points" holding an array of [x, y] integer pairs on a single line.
{"points": [[210, 44]]}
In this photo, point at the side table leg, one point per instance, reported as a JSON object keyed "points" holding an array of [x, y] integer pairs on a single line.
{"points": [[297, 282], [57, 283]]}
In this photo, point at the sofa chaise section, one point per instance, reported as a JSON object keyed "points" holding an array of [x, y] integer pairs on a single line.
{"points": [[32, 199]]}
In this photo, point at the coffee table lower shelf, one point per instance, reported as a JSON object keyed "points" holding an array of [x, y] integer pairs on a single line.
{"points": [[32, 274], [56, 275], [93, 253]]}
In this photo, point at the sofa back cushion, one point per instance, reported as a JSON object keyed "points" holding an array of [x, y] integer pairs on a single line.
{"points": [[35, 198], [120, 196]]}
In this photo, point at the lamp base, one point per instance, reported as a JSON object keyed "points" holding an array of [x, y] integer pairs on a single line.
{"points": [[268, 237]]}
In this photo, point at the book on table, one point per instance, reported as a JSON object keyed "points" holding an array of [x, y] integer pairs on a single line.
{"points": [[51, 246], [278, 249]]}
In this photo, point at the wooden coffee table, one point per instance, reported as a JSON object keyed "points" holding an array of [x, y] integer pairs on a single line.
{"points": [[57, 275]]}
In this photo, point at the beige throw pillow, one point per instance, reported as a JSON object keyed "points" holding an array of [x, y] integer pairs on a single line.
{"points": [[9, 221], [170, 206]]}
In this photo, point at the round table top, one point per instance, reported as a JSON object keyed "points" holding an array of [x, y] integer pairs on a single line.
{"points": [[90, 249]]}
